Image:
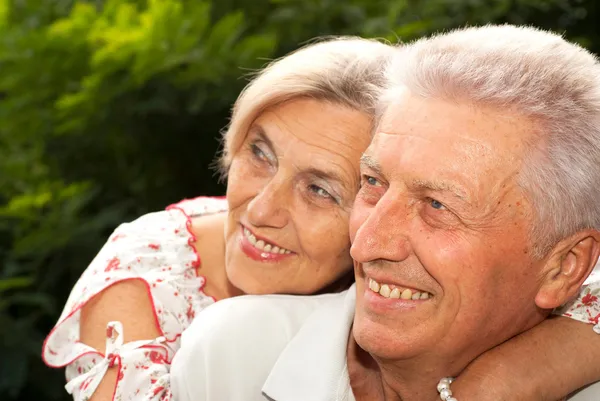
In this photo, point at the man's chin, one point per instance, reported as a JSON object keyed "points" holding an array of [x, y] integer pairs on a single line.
{"points": [[383, 343]]}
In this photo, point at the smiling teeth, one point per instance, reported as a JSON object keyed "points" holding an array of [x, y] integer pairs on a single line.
{"points": [[262, 245], [396, 293]]}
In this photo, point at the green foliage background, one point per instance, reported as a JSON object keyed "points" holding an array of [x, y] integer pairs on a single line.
{"points": [[110, 109]]}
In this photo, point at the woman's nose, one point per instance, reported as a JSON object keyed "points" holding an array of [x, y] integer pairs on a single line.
{"points": [[269, 207]]}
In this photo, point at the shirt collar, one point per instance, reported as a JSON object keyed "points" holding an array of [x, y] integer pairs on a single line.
{"points": [[313, 364]]}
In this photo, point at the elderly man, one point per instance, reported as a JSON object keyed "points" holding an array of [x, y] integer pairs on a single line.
{"points": [[476, 217]]}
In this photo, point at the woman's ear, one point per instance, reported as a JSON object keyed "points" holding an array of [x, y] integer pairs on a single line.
{"points": [[571, 262]]}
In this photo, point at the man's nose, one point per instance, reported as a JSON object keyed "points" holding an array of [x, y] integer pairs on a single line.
{"points": [[383, 234]]}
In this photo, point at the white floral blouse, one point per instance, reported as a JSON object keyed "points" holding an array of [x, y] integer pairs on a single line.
{"points": [[157, 248]]}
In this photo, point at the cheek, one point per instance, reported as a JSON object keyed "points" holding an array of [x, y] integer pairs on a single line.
{"points": [[471, 265], [326, 239], [242, 184], [234, 179], [444, 254], [359, 214]]}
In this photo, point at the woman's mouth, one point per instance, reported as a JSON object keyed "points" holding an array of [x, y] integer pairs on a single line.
{"points": [[263, 247]]}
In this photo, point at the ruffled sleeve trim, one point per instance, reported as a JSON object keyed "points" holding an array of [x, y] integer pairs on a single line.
{"points": [[156, 249], [148, 356]]}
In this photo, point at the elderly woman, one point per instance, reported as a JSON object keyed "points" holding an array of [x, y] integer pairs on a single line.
{"points": [[292, 155], [475, 218]]}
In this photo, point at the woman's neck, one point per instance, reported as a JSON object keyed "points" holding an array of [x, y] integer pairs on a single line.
{"points": [[209, 233]]}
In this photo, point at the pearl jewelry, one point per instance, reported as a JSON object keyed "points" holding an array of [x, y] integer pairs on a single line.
{"points": [[443, 388]]}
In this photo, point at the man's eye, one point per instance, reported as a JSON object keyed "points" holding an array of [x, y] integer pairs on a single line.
{"points": [[436, 204], [367, 179]]}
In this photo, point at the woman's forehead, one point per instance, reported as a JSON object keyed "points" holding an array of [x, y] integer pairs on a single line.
{"points": [[315, 124]]}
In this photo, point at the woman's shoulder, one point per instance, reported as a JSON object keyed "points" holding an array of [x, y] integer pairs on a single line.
{"points": [[200, 205], [170, 227], [156, 249]]}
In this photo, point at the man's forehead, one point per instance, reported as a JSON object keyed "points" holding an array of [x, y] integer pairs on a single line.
{"points": [[471, 157], [444, 148], [460, 129]]}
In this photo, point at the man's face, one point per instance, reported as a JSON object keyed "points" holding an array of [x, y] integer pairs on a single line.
{"points": [[440, 233]]}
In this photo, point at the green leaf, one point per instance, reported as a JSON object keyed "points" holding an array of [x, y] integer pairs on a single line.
{"points": [[15, 283], [224, 34]]}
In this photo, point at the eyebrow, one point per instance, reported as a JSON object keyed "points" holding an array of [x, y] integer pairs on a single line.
{"points": [[260, 132], [441, 186], [329, 175], [372, 163], [366, 160]]}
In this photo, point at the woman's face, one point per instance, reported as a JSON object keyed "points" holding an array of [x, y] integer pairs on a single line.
{"points": [[290, 190]]}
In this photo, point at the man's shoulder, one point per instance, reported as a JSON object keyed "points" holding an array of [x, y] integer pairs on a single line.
{"points": [[250, 311], [268, 319], [589, 393], [234, 344]]}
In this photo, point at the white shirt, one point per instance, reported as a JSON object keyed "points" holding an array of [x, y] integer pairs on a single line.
{"points": [[237, 345], [273, 348]]}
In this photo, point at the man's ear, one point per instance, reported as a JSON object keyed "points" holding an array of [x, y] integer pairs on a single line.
{"points": [[570, 263]]}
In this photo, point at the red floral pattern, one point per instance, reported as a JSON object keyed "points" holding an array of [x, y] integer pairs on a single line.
{"points": [[585, 306], [157, 249]]}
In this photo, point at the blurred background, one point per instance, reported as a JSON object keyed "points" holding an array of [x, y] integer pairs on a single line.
{"points": [[110, 109]]}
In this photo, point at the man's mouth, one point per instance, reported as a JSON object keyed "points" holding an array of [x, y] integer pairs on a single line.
{"points": [[262, 245], [394, 292]]}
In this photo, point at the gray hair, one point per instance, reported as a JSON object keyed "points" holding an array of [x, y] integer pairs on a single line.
{"points": [[539, 75], [343, 70]]}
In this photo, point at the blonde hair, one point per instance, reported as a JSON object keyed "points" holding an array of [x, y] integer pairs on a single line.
{"points": [[536, 73], [343, 70]]}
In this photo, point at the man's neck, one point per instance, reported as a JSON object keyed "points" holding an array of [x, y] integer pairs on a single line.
{"points": [[402, 381], [416, 379]]}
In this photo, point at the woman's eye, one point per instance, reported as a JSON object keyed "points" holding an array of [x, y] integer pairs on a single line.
{"points": [[323, 194], [258, 152], [436, 204], [317, 190]]}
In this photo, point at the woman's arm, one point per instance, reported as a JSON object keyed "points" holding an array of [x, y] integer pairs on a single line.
{"points": [[127, 302], [548, 362], [121, 325]]}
